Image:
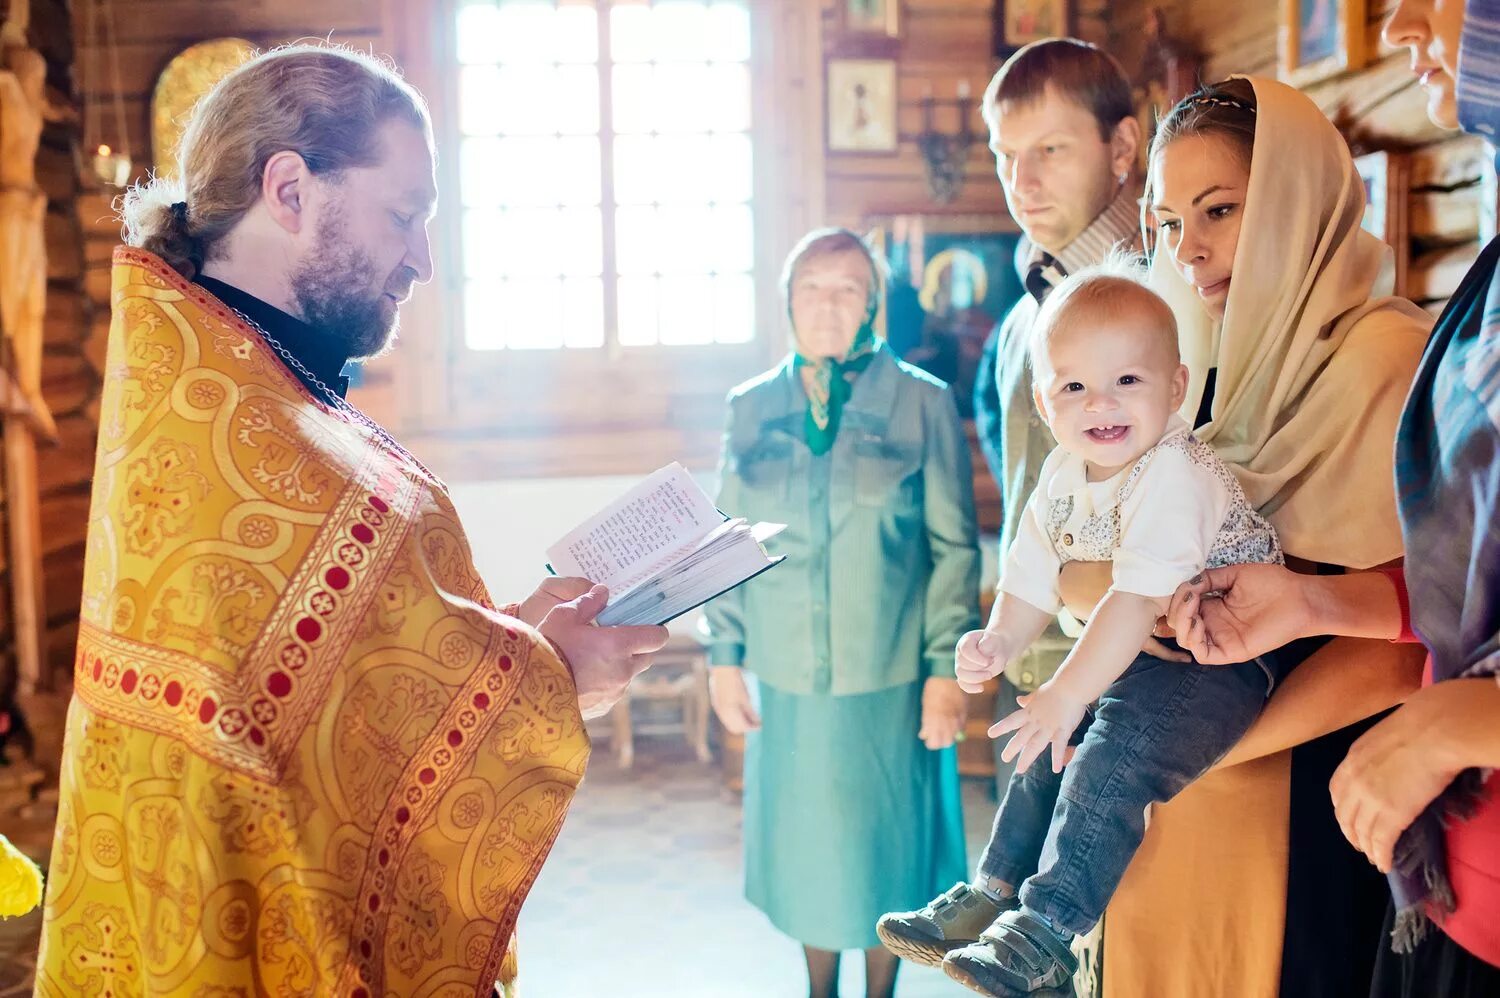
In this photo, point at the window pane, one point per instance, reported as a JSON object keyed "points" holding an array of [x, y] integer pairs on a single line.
{"points": [[528, 243], [531, 314], [525, 32], [683, 232], [633, 98], [520, 172], [683, 95], [726, 92], [583, 312], [635, 169], [531, 171], [481, 166], [482, 325], [576, 34], [478, 110], [636, 239], [576, 170], [483, 239], [728, 34], [630, 33], [731, 239], [545, 100], [734, 309], [683, 168], [578, 241], [478, 33], [637, 311], [727, 168], [680, 30], [687, 311]]}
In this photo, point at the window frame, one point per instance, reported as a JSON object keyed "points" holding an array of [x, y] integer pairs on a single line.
{"points": [[592, 363]]}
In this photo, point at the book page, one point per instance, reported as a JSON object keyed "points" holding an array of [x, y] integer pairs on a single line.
{"points": [[638, 534]]}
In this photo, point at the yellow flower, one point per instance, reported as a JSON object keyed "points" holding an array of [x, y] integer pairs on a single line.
{"points": [[20, 881]]}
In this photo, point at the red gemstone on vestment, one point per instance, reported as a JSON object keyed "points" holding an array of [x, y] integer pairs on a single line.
{"points": [[257, 736], [337, 577], [365, 950], [481, 701], [309, 630], [173, 694], [385, 856], [98, 668], [374, 902], [455, 738], [279, 684], [127, 681], [362, 533], [427, 775], [505, 663], [207, 709], [402, 815], [379, 504]]}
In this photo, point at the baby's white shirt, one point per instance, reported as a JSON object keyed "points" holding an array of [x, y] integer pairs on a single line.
{"points": [[1175, 511]]}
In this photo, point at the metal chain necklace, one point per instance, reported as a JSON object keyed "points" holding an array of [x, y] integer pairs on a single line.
{"points": [[330, 396]]}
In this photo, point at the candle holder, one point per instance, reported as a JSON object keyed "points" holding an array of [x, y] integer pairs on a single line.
{"points": [[944, 154]]}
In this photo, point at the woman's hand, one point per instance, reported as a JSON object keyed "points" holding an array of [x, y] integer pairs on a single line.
{"points": [[731, 699], [1047, 717], [943, 712], [1223, 616], [1398, 767]]}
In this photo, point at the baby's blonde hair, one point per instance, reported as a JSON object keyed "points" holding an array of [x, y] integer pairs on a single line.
{"points": [[1098, 292]]}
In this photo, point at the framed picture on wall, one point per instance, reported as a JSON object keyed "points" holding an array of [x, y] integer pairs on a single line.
{"points": [[1387, 193], [1020, 22], [1318, 39], [871, 18], [862, 105], [952, 278]]}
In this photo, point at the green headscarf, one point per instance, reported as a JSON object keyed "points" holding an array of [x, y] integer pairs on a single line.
{"points": [[829, 383]]}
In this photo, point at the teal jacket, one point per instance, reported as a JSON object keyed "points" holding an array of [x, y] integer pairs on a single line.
{"points": [[881, 576]]}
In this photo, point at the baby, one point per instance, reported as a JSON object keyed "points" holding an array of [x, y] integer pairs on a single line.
{"points": [[1129, 484]]}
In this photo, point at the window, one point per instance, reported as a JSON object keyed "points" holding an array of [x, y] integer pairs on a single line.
{"points": [[605, 173]]}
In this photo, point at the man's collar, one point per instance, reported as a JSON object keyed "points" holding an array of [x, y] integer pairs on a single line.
{"points": [[1117, 226], [313, 350]]}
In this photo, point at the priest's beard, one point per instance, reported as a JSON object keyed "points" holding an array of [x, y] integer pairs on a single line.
{"points": [[334, 290]]}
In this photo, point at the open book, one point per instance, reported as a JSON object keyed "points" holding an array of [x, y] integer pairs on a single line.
{"points": [[663, 549]]}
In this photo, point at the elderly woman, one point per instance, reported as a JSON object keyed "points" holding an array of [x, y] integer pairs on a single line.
{"points": [[851, 785]]}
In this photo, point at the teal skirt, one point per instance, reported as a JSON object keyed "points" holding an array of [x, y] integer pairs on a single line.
{"points": [[847, 814]]}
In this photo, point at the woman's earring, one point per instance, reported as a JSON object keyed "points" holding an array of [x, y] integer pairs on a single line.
{"points": [[1123, 178]]}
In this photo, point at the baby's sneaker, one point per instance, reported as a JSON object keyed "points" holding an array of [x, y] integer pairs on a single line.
{"points": [[952, 920]]}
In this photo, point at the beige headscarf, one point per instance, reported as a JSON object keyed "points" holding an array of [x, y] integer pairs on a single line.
{"points": [[1314, 359]]}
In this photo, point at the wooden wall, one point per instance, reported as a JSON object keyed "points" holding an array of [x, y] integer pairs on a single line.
{"points": [[70, 383], [1378, 107], [943, 43]]}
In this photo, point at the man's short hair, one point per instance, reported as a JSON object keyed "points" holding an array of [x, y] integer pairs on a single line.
{"points": [[1076, 70]]}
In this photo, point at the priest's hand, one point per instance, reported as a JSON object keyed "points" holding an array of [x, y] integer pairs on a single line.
{"points": [[603, 659], [731, 699], [553, 591]]}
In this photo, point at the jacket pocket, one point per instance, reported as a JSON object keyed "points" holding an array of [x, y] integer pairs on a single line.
{"points": [[765, 469], [886, 473]]}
